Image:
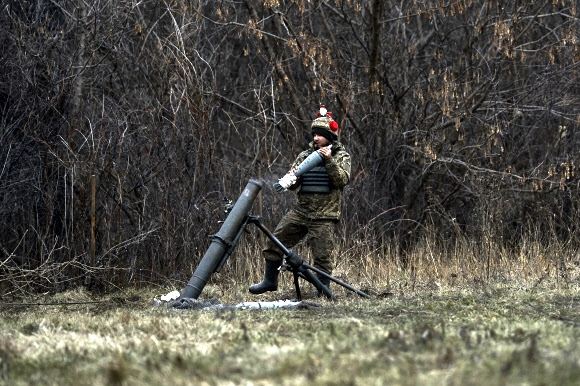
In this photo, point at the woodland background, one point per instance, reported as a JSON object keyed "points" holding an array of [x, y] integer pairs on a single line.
{"points": [[124, 124]]}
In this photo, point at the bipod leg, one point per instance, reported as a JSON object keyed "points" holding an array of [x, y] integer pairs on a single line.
{"points": [[334, 279], [298, 266], [297, 286], [309, 276]]}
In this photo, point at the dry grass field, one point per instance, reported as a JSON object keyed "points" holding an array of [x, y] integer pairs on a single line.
{"points": [[511, 320]]}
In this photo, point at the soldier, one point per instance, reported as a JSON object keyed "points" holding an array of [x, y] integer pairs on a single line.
{"points": [[318, 204]]}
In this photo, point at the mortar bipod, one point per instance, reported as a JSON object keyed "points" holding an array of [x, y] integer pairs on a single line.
{"points": [[300, 268]]}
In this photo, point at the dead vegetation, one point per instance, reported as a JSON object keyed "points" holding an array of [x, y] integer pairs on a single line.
{"points": [[123, 125], [457, 330]]}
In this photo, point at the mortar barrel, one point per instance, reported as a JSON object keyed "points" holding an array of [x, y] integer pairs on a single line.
{"points": [[222, 240]]}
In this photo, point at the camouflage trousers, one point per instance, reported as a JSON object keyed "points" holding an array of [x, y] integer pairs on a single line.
{"points": [[293, 228]]}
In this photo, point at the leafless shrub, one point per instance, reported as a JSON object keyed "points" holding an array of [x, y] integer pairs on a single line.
{"points": [[460, 116]]}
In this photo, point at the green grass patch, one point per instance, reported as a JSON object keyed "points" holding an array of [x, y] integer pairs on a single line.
{"points": [[430, 336]]}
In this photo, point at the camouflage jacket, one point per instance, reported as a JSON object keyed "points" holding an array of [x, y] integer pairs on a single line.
{"points": [[325, 206]]}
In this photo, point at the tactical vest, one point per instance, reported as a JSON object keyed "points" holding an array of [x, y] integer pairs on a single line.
{"points": [[316, 180]]}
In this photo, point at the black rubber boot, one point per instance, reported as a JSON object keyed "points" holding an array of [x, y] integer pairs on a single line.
{"points": [[324, 280], [270, 281]]}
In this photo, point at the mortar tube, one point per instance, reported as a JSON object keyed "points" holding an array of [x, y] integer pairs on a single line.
{"points": [[222, 240]]}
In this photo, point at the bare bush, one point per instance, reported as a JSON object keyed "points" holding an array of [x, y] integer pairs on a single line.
{"points": [[460, 116]]}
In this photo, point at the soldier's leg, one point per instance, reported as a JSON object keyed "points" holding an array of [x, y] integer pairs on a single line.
{"points": [[289, 232], [321, 239]]}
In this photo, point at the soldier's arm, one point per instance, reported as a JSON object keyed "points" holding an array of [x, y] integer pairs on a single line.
{"points": [[338, 168]]}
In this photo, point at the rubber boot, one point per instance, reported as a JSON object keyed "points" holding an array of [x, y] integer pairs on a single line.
{"points": [[324, 280], [270, 281]]}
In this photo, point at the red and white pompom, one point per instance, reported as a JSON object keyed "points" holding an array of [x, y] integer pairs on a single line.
{"points": [[322, 112]]}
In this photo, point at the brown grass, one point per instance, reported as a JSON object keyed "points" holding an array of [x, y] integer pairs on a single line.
{"points": [[471, 315]]}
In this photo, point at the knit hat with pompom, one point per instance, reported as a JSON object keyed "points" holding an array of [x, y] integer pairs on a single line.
{"points": [[324, 125]]}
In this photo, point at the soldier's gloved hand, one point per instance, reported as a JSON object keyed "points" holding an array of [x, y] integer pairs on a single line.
{"points": [[288, 180]]}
